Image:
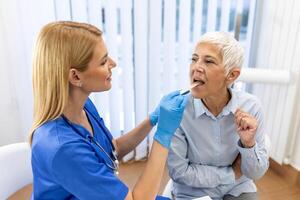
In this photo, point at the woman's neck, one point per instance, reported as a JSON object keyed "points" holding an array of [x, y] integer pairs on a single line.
{"points": [[74, 108], [216, 103]]}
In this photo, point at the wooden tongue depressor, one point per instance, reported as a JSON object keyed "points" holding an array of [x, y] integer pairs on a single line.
{"points": [[187, 90]]}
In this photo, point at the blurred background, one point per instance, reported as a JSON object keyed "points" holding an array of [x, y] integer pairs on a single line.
{"points": [[152, 42]]}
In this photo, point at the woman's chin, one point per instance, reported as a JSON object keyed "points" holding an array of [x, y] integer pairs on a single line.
{"points": [[196, 95], [107, 88], [104, 89]]}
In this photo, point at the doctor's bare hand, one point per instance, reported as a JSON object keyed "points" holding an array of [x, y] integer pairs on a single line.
{"points": [[246, 126]]}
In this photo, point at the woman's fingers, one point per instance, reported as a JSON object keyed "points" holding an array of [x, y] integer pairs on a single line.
{"points": [[244, 120]]}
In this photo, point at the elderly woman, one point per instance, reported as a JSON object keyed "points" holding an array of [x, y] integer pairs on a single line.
{"points": [[219, 148]]}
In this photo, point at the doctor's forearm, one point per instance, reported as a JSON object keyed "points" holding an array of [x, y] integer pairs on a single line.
{"points": [[127, 142], [148, 184]]}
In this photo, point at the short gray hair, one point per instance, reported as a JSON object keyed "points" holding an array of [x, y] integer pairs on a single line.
{"points": [[231, 49]]}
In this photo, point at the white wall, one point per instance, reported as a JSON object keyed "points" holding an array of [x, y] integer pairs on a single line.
{"points": [[276, 43], [19, 28], [8, 105], [11, 125]]}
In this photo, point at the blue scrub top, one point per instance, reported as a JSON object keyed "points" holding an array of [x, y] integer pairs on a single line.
{"points": [[66, 165]]}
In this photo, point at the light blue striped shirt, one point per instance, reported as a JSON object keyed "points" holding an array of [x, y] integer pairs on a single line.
{"points": [[204, 148]]}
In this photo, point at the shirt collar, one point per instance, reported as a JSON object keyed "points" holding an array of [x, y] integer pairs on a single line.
{"points": [[198, 107], [231, 107]]}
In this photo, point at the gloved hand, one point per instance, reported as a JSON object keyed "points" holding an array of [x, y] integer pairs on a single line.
{"points": [[171, 109], [154, 116]]}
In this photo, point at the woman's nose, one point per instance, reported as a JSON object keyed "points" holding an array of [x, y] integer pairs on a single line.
{"points": [[112, 63], [199, 67]]}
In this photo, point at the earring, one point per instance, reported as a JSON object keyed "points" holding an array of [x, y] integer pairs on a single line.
{"points": [[79, 84]]}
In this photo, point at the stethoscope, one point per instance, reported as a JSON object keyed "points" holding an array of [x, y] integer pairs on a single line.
{"points": [[91, 140]]}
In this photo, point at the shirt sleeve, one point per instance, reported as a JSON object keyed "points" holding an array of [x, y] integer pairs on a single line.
{"points": [[77, 168], [194, 175], [255, 160]]}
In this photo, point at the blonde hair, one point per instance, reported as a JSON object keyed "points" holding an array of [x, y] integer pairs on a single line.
{"points": [[60, 46], [231, 50]]}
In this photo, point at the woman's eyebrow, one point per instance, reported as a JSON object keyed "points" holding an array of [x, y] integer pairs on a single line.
{"points": [[211, 57], [195, 55]]}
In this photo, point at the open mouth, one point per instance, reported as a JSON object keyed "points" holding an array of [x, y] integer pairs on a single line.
{"points": [[198, 82]]}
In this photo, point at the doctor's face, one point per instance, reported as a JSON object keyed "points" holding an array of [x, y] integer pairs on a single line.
{"points": [[208, 70], [97, 76]]}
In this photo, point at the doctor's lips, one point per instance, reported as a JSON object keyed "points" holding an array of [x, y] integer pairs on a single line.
{"points": [[187, 90]]}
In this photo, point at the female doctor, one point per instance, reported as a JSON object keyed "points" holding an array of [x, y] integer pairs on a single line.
{"points": [[73, 153]]}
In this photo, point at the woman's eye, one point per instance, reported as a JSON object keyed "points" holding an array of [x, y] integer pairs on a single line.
{"points": [[103, 63], [194, 60], [210, 62]]}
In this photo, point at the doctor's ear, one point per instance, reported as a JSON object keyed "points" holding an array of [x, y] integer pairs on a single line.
{"points": [[74, 77], [233, 75]]}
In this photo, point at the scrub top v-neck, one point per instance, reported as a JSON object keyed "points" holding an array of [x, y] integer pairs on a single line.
{"points": [[101, 136]]}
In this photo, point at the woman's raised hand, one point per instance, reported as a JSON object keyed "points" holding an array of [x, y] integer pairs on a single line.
{"points": [[246, 127]]}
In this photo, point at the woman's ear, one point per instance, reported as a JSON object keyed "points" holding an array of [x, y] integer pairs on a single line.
{"points": [[74, 77], [233, 75]]}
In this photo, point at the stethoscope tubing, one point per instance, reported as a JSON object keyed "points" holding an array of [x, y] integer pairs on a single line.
{"points": [[92, 141]]}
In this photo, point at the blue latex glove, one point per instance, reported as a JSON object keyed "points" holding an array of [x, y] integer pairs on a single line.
{"points": [[171, 109], [154, 116]]}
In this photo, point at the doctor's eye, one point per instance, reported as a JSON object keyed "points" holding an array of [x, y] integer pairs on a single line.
{"points": [[104, 61]]}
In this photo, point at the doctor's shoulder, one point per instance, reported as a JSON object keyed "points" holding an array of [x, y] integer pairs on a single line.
{"points": [[51, 135]]}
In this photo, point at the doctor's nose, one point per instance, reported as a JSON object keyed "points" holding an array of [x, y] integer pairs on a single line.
{"points": [[112, 63]]}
